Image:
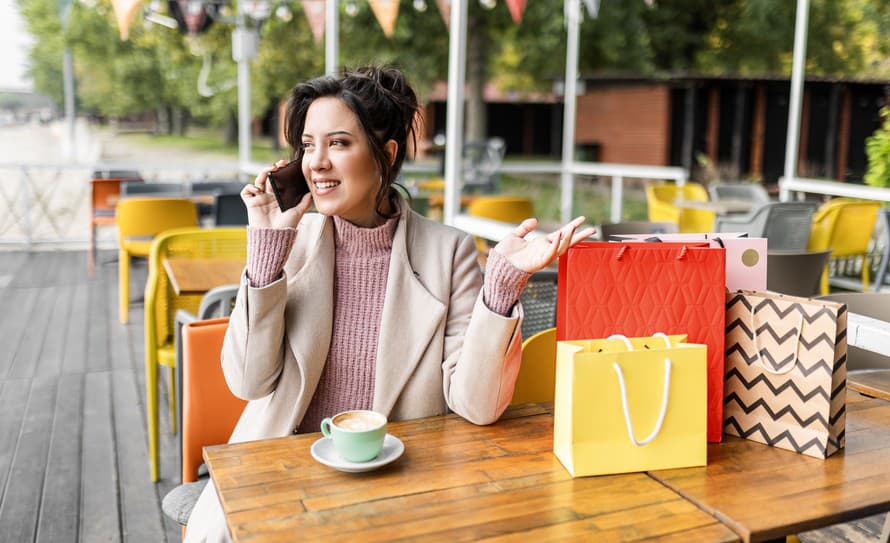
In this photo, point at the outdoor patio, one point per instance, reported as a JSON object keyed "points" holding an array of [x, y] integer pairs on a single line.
{"points": [[73, 456], [74, 461]]}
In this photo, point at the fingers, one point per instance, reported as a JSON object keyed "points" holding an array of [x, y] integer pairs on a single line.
{"points": [[525, 227], [582, 235], [250, 191], [260, 180]]}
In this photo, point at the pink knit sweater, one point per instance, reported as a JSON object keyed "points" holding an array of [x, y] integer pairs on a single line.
{"points": [[361, 267]]}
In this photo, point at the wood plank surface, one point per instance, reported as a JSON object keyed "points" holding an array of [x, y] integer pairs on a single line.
{"points": [[764, 492], [455, 482], [198, 275], [874, 383], [73, 451]]}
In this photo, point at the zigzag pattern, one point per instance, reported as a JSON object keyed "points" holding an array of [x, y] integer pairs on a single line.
{"points": [[748, 409], [776, 390], [737, 348], [758, 428], [810, 401], [840, 413]]}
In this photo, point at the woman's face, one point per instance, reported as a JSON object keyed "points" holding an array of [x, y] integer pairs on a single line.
{"points": [[338, 163]]}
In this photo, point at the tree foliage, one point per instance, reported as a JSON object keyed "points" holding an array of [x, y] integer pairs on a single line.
{"points": [[158, 68]]}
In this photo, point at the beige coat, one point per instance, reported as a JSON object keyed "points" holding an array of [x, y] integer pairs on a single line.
{"points": [[440, 347]]}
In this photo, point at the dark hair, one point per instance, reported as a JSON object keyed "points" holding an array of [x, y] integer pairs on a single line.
{"points": [[383, 102]]}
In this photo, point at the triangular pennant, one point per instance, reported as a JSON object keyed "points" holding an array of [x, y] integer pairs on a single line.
{"points": [[386, 12], [314, 10], [124, 11], [516, 9], [445, 11]]}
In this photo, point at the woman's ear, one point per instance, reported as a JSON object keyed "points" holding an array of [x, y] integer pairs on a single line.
{"points": [[391, 148]]}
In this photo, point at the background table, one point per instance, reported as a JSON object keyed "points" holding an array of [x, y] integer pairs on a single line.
{"points": [[721, 207], [198, 275], [456, 481]]}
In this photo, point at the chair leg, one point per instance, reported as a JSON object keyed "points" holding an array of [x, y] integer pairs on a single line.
{"points": [[865, 277], [123, 287], [91, 254], [823, 284], [151, 415], [171, 374]]}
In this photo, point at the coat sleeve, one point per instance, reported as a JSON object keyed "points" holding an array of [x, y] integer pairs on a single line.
{"points": [[483, 349], [253, 349]]}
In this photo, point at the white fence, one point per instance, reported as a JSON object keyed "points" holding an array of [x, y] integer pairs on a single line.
{"points": [[49, 203]]}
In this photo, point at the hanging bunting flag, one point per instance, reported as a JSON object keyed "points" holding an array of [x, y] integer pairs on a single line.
{"points": [[445, 11], [124, 11], [386, 12], [516, 9], [314, 10]]}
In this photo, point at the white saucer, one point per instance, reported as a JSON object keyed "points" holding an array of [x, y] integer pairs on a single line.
{"points": [[323, 451]]}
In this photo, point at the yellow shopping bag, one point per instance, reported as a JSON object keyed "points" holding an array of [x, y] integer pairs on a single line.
{"points": [[625, 405]]}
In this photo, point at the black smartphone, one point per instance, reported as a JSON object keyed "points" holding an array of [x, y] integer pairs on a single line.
{"points": [[288, 184]]}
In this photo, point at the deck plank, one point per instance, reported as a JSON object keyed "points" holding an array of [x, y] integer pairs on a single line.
{"points": [[100, 514], [61, 489], [21, 497], [12, 325]]}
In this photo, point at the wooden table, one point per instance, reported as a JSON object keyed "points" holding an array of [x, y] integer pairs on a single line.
{"points": [[456, 481], [721, 207], [198, 275], [874, 383], [763, 492]]}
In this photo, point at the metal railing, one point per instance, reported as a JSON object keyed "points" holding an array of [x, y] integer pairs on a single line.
{"points": [[797, 188], [49, 203]]}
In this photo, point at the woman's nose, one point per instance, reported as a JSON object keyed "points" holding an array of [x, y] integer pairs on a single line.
{"points": [[318, 160]]}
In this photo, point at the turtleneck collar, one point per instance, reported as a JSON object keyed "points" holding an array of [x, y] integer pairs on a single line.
{"points": [[356, 239]]}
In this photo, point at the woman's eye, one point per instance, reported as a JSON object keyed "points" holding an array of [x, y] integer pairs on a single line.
{"points": [[306, 145], [338, 143]]}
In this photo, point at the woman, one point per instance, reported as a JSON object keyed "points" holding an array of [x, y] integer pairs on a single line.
{"points": [[365, 304]]}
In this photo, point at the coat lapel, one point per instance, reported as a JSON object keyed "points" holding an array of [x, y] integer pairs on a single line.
{"points": [[310, 308], [410, 318]]}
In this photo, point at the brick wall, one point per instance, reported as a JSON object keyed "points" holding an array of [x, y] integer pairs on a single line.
{"points": [[631, 124]]}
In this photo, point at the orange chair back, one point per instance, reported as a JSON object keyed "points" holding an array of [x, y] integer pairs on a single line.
{"points": [[209, 409], [103, 197]]}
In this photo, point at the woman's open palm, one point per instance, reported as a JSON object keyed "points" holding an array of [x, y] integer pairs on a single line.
{"points": [[536, 254]]}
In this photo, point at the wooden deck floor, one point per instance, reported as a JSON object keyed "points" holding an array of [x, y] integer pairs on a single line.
{"points": [[73, 448]]}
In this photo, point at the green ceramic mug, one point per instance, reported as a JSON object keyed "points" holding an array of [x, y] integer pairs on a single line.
{"points": [[357, 434]]}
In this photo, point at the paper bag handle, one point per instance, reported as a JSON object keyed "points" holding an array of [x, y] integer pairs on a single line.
{"points": [[760, 361], [630, 347], [664, 404]]}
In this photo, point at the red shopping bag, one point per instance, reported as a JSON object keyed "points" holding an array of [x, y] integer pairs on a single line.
{"points": [[637, 289]]}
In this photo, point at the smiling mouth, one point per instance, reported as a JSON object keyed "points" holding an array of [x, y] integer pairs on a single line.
{"points": [[325, 184]]}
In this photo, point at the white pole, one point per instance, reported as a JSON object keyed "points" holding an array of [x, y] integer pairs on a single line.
{"points": [[332, 36], [457, 68], [797, 72], [68, 82], [573, 15], [244, 48]]}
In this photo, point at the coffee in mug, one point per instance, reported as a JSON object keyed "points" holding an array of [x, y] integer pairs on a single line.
{"points": [[357, 434]]}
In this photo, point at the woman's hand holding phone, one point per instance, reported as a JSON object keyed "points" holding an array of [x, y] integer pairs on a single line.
{"points": [[263, 209]]}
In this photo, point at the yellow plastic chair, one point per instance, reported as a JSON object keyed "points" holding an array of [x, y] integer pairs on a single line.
{"points": [[162, 303], [139, 220], [511, 209], [660, 200], [845, 226], [537, 375]]}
